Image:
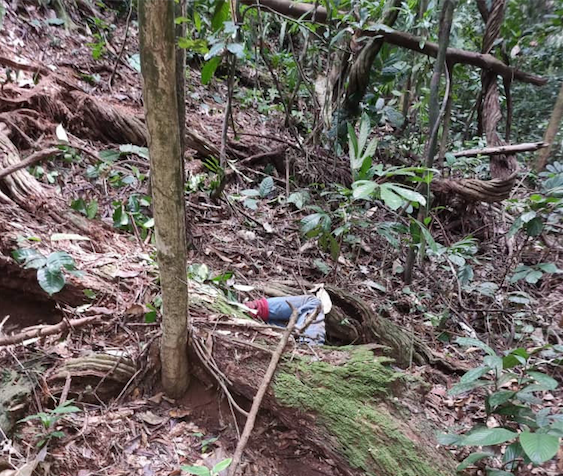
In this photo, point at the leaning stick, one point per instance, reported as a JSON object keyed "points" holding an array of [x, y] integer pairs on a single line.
{"points": [[46, 330], [249, 426], [32, 159], [503, 149]]}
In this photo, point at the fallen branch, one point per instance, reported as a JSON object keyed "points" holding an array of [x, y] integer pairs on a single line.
{"points": [[47, 330], [249, 426], [503, 149], [304, 11], [32, 159]]}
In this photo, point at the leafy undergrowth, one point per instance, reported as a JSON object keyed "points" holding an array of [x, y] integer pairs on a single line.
{"points": [[484, 272]]}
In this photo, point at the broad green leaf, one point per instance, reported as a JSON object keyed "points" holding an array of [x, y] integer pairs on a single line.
{"points": [[322, 266], [250, 203], [498, 472], [352, 145], [222, 465], [545, 381], [371, 148], [471, 459], [209, 69], [197, 470], [539, 447], [548, 267], [363, 189], [511, 455], [488, 436], [221, 14], [50, 281], [533, 276], [134, 61], [364, 132], [310, 222], [237, 49], [514, 358], [494, 362], [215, 50], [299, 199], [109, 155], [449, 439], [134, 149], [515, 227], [469, 342], [526, 217], [498, 398], [391, 199], [534, 227], [266, 187], [58, 260], [408, 194], [474, 374]]}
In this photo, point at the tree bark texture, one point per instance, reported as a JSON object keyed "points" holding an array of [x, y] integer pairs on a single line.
{"points": [[358, 79], [551, 132], [158, 63]]}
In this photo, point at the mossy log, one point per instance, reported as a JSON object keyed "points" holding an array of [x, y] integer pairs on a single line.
{"points": [[347, 403]]}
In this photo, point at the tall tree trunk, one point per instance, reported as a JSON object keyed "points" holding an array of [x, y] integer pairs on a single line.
{"points": [[551, 132], [446, 18], [158, 63], [358, 79]]}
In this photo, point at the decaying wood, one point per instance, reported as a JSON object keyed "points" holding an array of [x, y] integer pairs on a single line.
{"points": [[43, 331], [503, 149]]}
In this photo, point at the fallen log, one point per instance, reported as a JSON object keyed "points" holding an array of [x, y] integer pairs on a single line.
{"points": [[503, 149], [347, 403], [42, 331], [319, 14]]}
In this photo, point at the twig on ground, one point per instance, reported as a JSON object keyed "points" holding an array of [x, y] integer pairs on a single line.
{"points": [[32, 159], [47, 330], [257, 402]]}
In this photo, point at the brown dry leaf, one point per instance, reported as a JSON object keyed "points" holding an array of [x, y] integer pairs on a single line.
{"points": [[136, 310], [151, 418], [179, 413]]}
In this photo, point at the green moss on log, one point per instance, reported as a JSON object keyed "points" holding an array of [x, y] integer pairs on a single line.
{"points": [[348, 400]]}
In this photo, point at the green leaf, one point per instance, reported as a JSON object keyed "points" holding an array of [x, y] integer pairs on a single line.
{"points": [[363, 189], [469, 342], [498, 398], [471, 459], [58, 260], [390, 198], [215, 51], [266, 187], [449, 439], [299, 199], [109, 155], [526, 217], [250, 203], [197, 470], [352, 146], [511, 455], [134, 61], [548, 267], [488, 437], [322, 266], [134, 149], [237, 49], [220, 15], [545, 381], [534, 227], [364, 132], [498, 472], [539, 447], [407, 193], [474, 374], [50, 281], [222, 465], [533, 276]]}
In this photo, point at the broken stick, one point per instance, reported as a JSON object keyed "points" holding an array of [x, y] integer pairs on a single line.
{"points": [[503, 149], [46, 330], [249, 426]]}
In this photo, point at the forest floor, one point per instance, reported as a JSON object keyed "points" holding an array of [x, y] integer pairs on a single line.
{"points": [[136, 429]]}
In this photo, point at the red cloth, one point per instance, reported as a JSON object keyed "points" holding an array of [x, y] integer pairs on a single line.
{"points": [[261, 306]]}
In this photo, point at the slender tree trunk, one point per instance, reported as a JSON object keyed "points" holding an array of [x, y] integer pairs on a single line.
{"points": [[158, 63], [551, 132], [446, 18]]}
